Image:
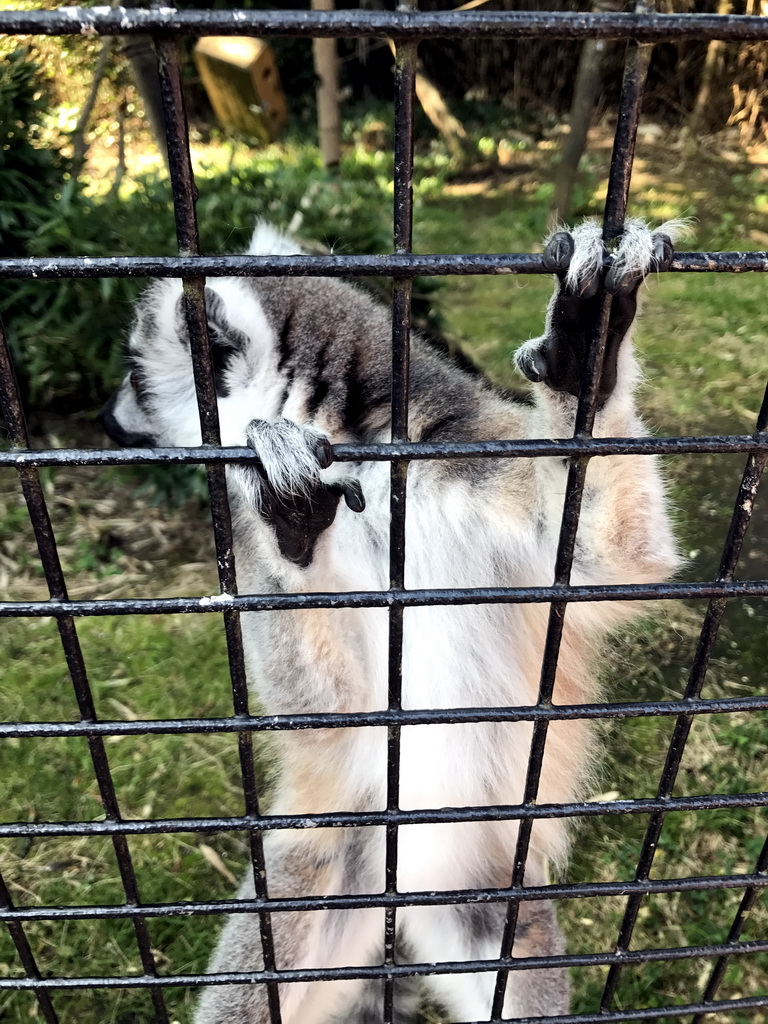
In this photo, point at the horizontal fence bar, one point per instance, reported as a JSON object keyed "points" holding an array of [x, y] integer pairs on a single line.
{"points": [[638, 956], [749, 1004], [357, 819], [394, 24], [391, 265], [385, 599], [529, 448], [402, 26], [379, 719], [576, 890]]}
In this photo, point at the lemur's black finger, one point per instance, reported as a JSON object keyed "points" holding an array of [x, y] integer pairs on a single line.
{"points": [[587, 287], [353, 493], [620, 281], [558, 253], [663, 251], [534, 365], [323, 452]]}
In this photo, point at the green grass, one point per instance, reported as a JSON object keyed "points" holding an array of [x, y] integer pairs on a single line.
{"points": [[702, 340], [139, 668]]}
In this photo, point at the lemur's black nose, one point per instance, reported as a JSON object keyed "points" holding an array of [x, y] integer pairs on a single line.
{"points": [[117, 433]]}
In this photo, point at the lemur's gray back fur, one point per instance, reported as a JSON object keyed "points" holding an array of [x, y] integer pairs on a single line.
{"points": [[304, 362]]}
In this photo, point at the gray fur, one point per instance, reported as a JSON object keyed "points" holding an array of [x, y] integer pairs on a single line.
{"points": [[305, 362]]}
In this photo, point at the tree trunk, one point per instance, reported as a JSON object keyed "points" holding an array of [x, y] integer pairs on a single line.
{"points": [[751, 66], [586, 89], [698, 117], [436, 109], [79, 144], [327, 72], [141, 55]]}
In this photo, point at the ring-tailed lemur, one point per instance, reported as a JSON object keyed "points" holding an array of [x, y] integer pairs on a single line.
{"points": [[302, 363]]}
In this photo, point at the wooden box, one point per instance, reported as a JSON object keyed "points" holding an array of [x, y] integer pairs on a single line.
{"points": [[243, 84]]}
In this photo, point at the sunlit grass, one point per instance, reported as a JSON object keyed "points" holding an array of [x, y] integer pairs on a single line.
{"points": [[702, 340]]}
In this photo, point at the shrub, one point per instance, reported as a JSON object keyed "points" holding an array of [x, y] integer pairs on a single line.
{"points": [[30, 173], [66, 334]]}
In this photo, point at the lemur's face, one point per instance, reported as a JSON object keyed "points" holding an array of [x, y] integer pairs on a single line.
{"points": [[156, 404]]}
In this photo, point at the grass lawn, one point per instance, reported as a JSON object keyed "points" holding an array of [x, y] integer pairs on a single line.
{"points": [[703, 341]]}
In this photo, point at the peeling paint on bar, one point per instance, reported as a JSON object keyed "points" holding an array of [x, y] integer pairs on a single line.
{"points": [[185, 196], [519, 448], [398, 25], [377, 719], [387, 598], [577, 890], [639, 956], [397, 265], [405, 26], [216, 599], [358, 819]]}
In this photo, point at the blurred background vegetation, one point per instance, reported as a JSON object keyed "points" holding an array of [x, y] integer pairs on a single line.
{"points": [[100, 189]]}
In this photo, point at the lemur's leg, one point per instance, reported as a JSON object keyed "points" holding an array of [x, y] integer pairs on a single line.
{"points": [[298, 864], [474, 932], [369, 1008], [624, 534]]}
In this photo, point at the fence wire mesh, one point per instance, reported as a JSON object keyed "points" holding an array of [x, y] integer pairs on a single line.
{"points": [[407, 27]]}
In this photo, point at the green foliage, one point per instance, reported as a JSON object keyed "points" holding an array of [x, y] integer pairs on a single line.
{"points": [[348, 207], [30, 173], [702, 344], [66, 335]]}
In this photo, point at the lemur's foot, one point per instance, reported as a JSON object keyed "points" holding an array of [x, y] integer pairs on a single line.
{"points": [[286, 487], [582, 264]]}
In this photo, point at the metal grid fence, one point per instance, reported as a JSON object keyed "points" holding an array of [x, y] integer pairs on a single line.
{"points": [[406, 27]]}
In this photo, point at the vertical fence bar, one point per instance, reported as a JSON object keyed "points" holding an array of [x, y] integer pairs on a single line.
{"points": [[405, 78], [745, 907], [185, 195], [13, 414], [742, 513], [638, 59], [27, 957], [184, 200]]}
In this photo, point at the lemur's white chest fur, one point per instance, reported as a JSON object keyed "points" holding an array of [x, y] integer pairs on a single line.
{"points": [[299, 363]]}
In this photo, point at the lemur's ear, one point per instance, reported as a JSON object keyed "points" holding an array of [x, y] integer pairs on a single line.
{"points": [[221, 331], [225, 339]]}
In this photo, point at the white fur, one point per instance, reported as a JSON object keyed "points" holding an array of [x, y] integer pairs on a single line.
{"points": [[457, 535], [267, 240], [635, 252], [588, 254]]}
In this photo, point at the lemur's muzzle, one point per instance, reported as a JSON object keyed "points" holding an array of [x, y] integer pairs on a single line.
{"points": [[117, 433]]}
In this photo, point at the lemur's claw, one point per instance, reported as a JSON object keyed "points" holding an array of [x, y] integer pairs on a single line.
{"points": [[663, 252], [582, 266], [323, 452], [353, 494], [286, 489], [590, 285], [533, 364], [619, 281], [558, 253]]}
